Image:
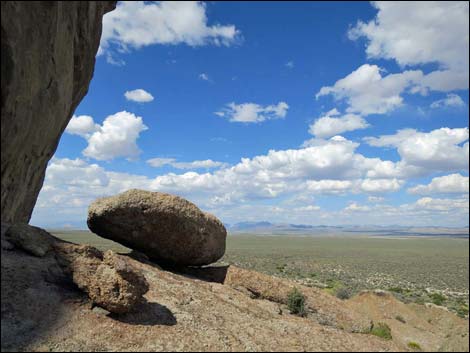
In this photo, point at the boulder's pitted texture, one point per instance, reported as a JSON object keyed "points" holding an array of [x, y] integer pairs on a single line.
{"points": [[48, 53], [167, 228], [111, 283], [108, 279]]}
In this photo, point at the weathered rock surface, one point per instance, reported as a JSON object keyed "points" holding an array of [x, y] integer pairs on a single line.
{"points": [[48, 55], [320, 306], [167, 228], [33, 240], [108, 279]]}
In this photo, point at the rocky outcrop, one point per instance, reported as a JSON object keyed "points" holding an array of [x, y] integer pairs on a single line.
{"points": [[168, 229], [108, 279], [33, 240], [320, 306], [48, 55]]}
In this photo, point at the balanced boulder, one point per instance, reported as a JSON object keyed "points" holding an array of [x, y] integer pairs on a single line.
{"points": [[168, 229]]}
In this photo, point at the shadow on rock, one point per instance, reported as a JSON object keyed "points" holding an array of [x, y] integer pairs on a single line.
{"points": [[33, 300], [147, 314], [215, 274]]}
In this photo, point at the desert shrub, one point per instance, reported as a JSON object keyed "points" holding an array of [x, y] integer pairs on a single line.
{"points": [[381, 330], [332, 286], [398, 290], [414, 345], [437, 298], [296, 302], [331, 283], [462, 311], [343, 293], [400, 318], [420, 301]]}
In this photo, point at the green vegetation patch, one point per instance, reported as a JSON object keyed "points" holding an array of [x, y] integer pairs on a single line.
{"points": [[381, 330], [415, 346], [333, 286], [296, 302], [398, 290], [437, 298], [338, 289], [462, 311]]}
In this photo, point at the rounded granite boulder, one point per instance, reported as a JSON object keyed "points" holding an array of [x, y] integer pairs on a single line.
{"points": [[168, 229]]}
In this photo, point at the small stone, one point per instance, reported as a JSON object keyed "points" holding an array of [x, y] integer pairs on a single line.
{"points": [[100, 311]]}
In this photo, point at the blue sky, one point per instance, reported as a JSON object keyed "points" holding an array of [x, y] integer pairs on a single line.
{"points": [[364, 108]]}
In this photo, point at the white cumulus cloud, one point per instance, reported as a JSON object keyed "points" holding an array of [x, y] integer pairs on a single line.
{"points": [[329, 186], [138, 95], [412, 34], [82, 125], [116, 137], [288, 177], [415, 33], [136, 24], [442, 149], [380, 185], [441, 205], [452, 100], [332, 123], [424, 211], [368, 92], [447, 184], [70, 185], [252, 112], [202, 164], [355, 207], [325, 167]]}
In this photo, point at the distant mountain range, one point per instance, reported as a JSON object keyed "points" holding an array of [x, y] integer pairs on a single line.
{"points": [[268, 228]]}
